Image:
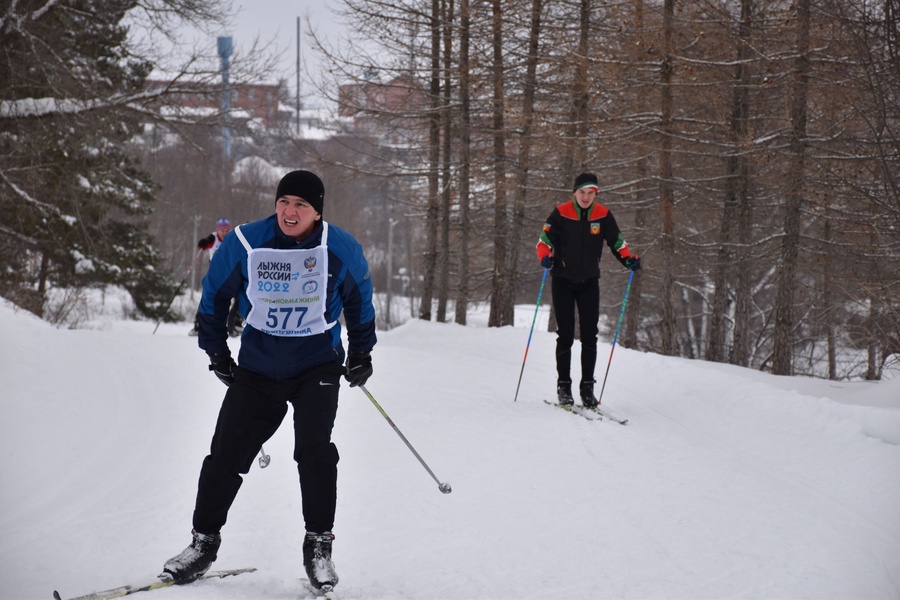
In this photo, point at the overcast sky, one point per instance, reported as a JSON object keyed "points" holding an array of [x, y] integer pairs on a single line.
{"points": [[274, 22], [277, 20]]}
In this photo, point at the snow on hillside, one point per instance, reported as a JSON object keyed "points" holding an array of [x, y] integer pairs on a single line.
{"points": [[726, 483]]}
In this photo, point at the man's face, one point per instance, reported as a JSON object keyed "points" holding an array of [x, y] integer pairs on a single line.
{"points": [[295, 216], [585, 195], [221, 232]]}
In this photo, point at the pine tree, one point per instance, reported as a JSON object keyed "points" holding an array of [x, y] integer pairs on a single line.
{"points": [[74, 206]]}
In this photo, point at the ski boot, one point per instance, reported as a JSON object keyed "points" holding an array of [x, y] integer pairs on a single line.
{"points": [[587, 394], [317, 560], [195, 560], [564, 392]]}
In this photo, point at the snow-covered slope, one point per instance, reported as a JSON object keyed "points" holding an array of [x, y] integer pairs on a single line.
{"points": [[726, 483]]}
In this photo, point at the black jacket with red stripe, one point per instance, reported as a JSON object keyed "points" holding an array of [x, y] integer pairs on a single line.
{"points": [[575, 237]]}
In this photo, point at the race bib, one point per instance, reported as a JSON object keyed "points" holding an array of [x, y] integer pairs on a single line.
{"points": [[288, 289]]}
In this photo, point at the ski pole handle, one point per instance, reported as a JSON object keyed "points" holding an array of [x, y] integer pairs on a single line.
{"points": [[264, 459]]}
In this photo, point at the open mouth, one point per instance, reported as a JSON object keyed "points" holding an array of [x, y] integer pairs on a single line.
{"points": [[291, 222]]}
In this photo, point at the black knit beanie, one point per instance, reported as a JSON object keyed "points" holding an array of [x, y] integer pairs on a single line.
{"points": [[586, 179], [303, 184]]}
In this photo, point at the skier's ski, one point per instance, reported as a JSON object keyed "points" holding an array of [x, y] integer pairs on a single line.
{"points": [[578, 410], [326, 591], [611, 416], [159, 582]]}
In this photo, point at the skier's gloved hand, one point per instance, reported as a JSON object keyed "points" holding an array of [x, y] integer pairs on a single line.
{"points": [[547, 262], [206, 243], [633, 263], [359, 368], [223, 367]]}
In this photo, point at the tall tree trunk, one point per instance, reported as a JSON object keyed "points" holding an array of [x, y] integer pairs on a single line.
{"points": [[578, 123], [446, 182], [740, 344], [827, 299], [873, 362], [523, 163], [465, 156], [740, 349], [736, 185], [434, 156], [784, 301], [632, 315], [666, 192], [501, 210]]}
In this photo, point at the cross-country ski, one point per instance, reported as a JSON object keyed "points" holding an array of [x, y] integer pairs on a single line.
{"points": [[603, 410], [576, 409], [154, 584]]}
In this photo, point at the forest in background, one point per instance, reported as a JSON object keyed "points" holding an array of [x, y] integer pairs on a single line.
{"points": [[748, 149]]}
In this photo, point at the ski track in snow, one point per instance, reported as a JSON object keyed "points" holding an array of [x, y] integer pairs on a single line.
{"points": [[726, 483]]}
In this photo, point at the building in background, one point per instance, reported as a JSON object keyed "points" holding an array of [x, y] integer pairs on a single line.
{"points": [[260, 102]]}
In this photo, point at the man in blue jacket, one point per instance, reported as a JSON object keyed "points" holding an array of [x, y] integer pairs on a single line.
{"points": [[294, 274]]}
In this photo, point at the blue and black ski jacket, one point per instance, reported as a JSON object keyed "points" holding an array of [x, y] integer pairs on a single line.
{"points": [[349, 292]]}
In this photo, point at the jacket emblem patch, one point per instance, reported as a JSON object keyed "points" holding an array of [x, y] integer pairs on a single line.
{"points": [[595, 228], [546, 227]]}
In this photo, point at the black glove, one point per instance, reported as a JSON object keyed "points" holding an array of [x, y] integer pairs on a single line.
{"points": [[206, 243], [359, 368], [547, 262], [223, 367], [633, 263]]}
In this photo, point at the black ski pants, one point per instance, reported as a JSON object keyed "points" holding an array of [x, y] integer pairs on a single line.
{"points": [[253, 408], [567, 295]]}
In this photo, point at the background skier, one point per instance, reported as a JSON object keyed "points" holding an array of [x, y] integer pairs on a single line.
{"points": [[571, 246], [212, 243]]}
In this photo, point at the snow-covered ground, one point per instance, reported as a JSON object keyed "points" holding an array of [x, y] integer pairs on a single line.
{"points": [[726, 483]]}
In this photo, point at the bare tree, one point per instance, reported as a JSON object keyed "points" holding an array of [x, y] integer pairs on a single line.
{"points": [[736, 189], [784, 305], [465, 157], [666, 190], [434, 153], [523, 170], [499, 161]]}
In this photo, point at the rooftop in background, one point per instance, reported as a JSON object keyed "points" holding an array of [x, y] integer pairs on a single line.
{"points": [[387, 109], [260, 101]]}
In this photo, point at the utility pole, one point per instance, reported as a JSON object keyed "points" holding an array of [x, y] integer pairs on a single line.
{"points": [[226, 46], [298, 76]]}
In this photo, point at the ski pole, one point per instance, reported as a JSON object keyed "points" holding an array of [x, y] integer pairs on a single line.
{"points": [[264, 459], [178, 290], [616, 336], [444, 487], [528, 345]]}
